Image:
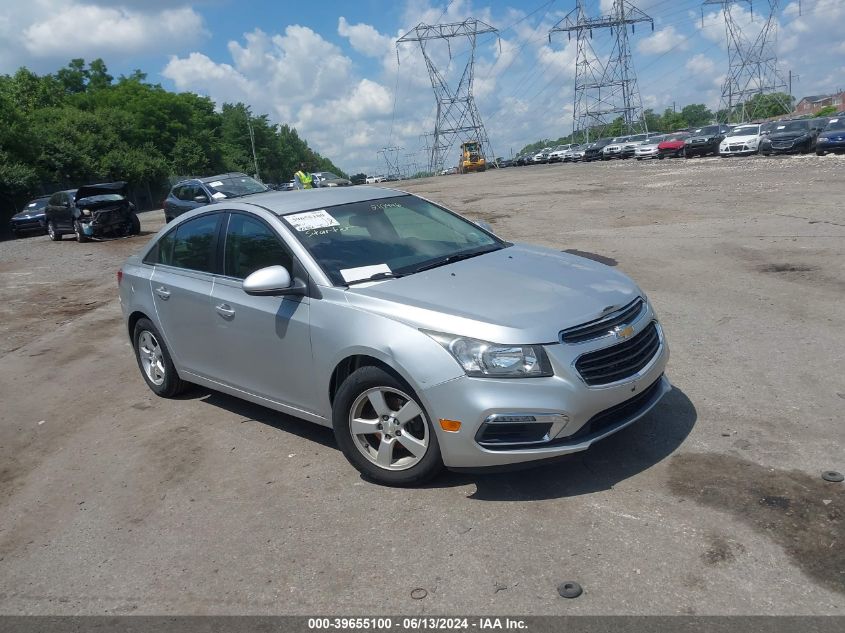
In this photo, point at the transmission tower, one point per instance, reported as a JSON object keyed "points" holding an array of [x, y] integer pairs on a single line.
{"points": [[604, 92], [752, 64], [390, 155], [457, 115]]}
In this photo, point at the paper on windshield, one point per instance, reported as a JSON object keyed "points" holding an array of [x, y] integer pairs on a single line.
{"points": [[216, 183], [218, 195], [310, 220], [363, 272], [32, 204]]}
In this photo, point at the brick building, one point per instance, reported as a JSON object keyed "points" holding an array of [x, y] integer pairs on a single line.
{"points": [[814, 103]]}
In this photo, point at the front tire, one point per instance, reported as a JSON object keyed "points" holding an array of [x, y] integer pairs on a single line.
{"points": [[53, 232], [135, 227], [383, 430], [80, 236], [154, 360]]}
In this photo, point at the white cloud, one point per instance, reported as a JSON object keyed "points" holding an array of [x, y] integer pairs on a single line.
{"points": [[662, 41], [42, 34], [80, 30], [701, 65], [365, 39]]}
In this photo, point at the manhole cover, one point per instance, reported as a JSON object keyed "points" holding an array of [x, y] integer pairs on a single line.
{"points": [[569, 589]]}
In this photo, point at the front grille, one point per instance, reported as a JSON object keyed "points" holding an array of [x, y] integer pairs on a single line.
{"points": [[604, 325], [621, 361], [782, 144]]}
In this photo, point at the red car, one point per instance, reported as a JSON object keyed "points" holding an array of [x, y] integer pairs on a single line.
{"points": [[673, 146]]}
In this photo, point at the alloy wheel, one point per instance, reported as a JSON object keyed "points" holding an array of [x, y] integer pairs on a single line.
{"points": [[389, 428], [151, 357]]}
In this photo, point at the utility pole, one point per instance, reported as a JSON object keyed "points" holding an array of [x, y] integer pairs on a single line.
{"points": [[752, 63], [252, 142], [458, 118], [791, 99], [610, 90]]}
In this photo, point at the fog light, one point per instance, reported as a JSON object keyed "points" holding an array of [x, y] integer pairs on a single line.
{"points": [[452, 426]]}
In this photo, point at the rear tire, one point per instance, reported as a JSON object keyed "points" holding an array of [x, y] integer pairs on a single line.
{"points": [[402, 449], [154, 361], [136, 225], [53, 232]]}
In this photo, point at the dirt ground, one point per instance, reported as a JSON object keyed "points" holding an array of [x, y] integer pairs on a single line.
{"points": [[115, 501]]}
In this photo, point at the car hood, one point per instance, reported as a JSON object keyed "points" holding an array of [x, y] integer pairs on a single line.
{"points": [[671, 144], [740, 139], [522, 294], [28, 213], [786, 136], [86, 191]]}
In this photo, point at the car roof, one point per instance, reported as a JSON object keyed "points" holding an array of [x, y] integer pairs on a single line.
{"points": [[282, 203]]}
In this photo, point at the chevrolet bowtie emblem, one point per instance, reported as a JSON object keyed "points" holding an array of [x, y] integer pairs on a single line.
{"points": [[623, 332]]}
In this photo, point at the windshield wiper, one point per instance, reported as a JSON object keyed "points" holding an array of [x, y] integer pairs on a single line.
{"points": [[376, 277], [451, 259]]}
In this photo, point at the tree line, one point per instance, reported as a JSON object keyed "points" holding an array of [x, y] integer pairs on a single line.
{"points": [[81, 125], [690, 116]]}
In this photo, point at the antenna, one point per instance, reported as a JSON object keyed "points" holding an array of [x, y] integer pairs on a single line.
{"points": [[458, 118]]}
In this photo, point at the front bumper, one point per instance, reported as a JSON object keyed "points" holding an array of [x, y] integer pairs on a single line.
{"points": [[573, 415], [830, 146], [25, 225], [650, 153], [738, 149]]}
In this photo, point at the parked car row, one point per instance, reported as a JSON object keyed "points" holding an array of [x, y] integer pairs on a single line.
{"points": [[820, 135]]}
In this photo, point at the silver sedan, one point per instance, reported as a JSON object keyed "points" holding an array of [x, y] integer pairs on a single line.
{"points": [[421, 338]]}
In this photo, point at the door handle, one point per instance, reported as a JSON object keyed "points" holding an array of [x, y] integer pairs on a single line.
{"points": [[225, 310], [163, 292]]}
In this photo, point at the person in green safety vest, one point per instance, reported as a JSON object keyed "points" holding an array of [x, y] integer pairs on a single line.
{"points": [[303, 179]]}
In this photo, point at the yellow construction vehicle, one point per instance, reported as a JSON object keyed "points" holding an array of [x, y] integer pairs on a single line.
{"points": [[472, 158]]}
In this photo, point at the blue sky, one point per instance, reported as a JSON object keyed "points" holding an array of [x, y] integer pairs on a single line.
{"points": [[330, 68]]}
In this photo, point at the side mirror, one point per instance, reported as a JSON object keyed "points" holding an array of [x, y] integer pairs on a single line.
{"points": [[272, 281], [485, 225], [200, 198]]}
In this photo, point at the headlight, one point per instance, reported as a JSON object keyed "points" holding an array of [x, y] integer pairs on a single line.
{"points": [[482, 359], [823, 139], [86, 211]]}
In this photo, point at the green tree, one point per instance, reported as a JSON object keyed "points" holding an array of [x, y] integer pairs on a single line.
{"points": [[696, 115]]}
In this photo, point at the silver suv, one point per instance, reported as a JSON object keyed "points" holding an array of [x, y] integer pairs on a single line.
{"points": [[420, 337]]}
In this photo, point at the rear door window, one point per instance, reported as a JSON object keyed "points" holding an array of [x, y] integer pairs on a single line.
{"points": [[193, 246]]}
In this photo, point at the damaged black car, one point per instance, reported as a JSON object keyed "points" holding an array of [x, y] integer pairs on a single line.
{"points": [[92, 212]]}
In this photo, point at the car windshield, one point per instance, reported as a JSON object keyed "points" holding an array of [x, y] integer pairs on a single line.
{"points": [[745, 130], [638, 137], [708, 130], [835, 124], [388, 237], [792, 126], [38, 203], [235, 186], [654, 140], [327, 175], [677, 137], [106, 197]]}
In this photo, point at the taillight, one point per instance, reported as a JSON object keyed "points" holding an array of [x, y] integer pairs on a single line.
{"points": [[119, 275]]}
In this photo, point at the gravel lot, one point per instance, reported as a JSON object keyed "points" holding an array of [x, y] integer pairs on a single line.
{"points": [[114, 501]]}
